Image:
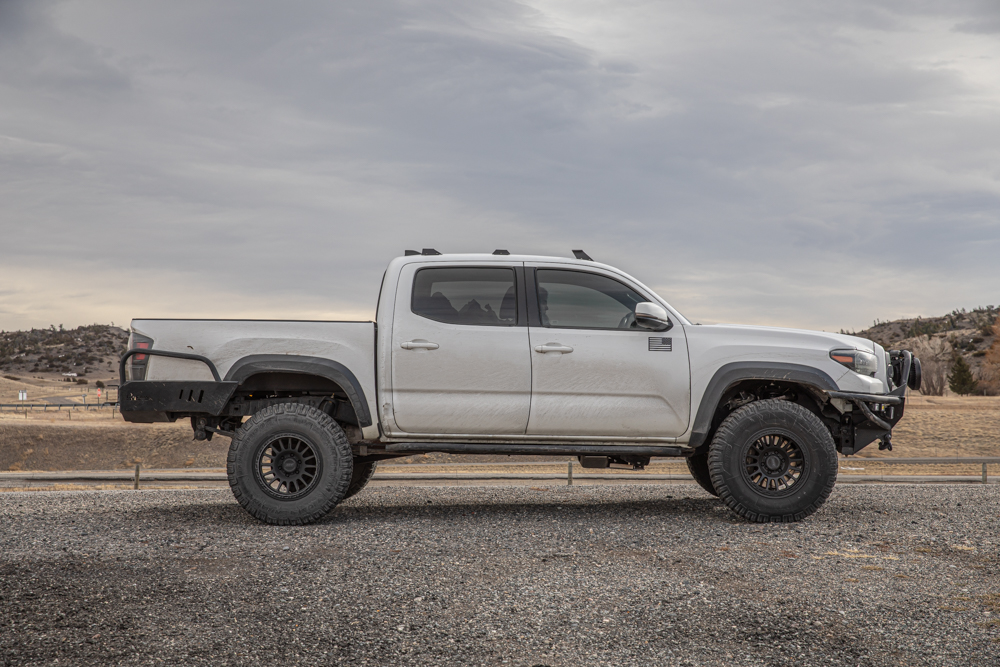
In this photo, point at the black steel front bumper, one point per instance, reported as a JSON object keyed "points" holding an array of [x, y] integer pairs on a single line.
{"points": [[880, 412]]}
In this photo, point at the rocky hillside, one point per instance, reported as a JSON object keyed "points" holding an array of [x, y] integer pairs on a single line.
{"points": [[936, 340], [90, 350]]}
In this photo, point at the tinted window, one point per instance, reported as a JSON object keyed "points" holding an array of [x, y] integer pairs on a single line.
{"points": [[578, 300], [480, 296]]}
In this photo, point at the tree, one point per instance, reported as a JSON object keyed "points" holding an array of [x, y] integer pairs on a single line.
{"points": [[934, 353], [989, 372], [99, 384], [960, 379]]}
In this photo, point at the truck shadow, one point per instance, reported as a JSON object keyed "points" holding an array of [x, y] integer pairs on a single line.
{"points": [[361, 510]]}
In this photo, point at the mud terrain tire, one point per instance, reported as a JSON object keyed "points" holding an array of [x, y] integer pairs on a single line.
{"points": [[773, 461], [698, 465], [289, 464], [362, 474]]}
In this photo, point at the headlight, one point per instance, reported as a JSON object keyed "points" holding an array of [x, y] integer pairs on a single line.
{"points": [[862, 363]]}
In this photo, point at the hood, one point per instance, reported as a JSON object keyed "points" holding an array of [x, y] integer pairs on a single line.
{"points": [[803, 337]]}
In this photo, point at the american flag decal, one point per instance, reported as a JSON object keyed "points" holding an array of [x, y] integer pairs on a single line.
{"points": [[661, 344]]}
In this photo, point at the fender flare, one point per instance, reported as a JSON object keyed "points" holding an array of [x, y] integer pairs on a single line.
{"points": [[327, 368], [730, 374]]}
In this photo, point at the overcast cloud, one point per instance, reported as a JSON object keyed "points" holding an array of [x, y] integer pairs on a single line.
{"points": [[793, 163]]}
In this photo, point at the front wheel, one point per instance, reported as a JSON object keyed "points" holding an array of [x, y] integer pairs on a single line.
{"points": [[773, 461], [289, 464]]}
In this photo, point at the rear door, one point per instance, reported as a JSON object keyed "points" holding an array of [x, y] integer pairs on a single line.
{"points": [[460, 358], [594, 373]]}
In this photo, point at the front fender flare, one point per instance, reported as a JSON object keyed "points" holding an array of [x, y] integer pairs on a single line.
{"points": [[730, 374]]}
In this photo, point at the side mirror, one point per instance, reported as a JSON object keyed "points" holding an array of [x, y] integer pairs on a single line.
{"points": [[652, 316]]}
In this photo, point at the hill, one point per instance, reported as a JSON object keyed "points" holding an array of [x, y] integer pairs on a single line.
{"points": [[48, 353], [936, 340]]}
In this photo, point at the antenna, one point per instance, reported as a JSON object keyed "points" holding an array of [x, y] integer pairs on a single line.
{"points": [[498, 251], [579, 254]]}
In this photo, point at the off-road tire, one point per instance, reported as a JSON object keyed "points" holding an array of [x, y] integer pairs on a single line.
{"points": [[733, 449], [362, 474], [327, 448], [698, 465]]}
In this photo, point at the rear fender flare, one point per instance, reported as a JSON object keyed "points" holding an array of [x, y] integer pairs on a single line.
{"points": [[327, 368]]}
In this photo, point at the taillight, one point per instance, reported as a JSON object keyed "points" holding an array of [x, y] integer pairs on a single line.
{"points": [[139, 361]]}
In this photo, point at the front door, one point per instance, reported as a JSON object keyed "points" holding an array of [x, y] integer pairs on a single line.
{"points": [[594, 373], [460, 360]]}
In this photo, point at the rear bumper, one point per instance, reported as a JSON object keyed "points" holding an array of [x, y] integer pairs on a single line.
{"points": [[147, 401]]}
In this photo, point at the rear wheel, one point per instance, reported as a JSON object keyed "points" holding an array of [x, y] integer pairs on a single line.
{"points": [[289, 464], [362, 474], [773, 461], [698, 465]]}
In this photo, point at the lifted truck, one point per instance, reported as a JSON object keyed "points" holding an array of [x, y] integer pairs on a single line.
{"points": [[509, 354]]}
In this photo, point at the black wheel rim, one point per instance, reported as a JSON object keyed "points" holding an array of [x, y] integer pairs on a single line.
{"points": [[774, 465], [287, 467]]}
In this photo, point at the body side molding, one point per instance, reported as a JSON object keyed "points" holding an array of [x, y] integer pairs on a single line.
{"points": [[327, 368], [730, 374]]}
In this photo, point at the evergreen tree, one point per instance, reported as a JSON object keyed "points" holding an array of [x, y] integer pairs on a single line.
{"points": [[960, 379]]}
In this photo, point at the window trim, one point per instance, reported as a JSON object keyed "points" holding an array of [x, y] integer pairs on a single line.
{"points": [[535, 311], [519, 309]]}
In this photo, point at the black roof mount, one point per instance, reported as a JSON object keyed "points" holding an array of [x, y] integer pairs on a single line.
{"points": [[498, 251], [425, 251], [579, 254]]}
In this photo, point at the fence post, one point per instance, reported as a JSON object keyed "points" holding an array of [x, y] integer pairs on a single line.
{"points": [[984, 474], [569, 474], [136, 486]]}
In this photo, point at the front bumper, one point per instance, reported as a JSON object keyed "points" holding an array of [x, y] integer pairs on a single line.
{"points": [[879, 413]]}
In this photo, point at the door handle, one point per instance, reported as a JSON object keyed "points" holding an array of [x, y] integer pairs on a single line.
{"points": [[553, 347], [419, 345]]}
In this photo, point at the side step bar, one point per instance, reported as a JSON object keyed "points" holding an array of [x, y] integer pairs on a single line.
{"points": [[406, 448]]}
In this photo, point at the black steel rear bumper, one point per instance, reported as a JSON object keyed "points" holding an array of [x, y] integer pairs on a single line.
{"points": [[146, 401]]}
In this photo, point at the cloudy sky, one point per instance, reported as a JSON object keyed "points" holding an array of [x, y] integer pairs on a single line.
{"points": [[794, 163]]}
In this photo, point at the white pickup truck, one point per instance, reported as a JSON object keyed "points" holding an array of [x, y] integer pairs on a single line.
{"points": [[516, 354]]}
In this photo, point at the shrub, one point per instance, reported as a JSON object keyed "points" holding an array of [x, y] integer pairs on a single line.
{"points": [[99, 384], [81, 381]]}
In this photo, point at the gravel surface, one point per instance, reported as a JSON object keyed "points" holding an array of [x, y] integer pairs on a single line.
{"points": [[627, 575]]}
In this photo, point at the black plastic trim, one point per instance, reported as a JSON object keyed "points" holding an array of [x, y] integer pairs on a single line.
{"points": [[531, 292], [282, 363], [738, 371]]}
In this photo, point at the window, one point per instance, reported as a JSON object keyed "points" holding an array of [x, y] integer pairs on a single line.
{"points": [[473, 296], [579, 300]]}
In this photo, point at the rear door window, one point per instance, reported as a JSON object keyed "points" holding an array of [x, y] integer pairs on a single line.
{"points": [[479, 296]]}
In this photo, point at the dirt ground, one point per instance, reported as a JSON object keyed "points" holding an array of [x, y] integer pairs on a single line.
{"points": [[100, 440]]}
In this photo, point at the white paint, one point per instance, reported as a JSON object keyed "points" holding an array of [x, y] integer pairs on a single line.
{"points": [[488, 384]]}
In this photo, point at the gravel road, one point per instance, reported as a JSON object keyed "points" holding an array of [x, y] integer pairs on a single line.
{"points": [[627, 575]]}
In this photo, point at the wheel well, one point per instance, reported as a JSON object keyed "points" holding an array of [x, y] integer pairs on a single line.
{"points": [[744, 392], [269, 387]]}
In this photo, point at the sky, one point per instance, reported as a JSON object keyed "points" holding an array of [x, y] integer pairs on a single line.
{"points": [[792, 163]]}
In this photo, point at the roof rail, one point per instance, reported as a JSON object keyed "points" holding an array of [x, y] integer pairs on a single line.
{"points": [[425, 251], [579, 254]]}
